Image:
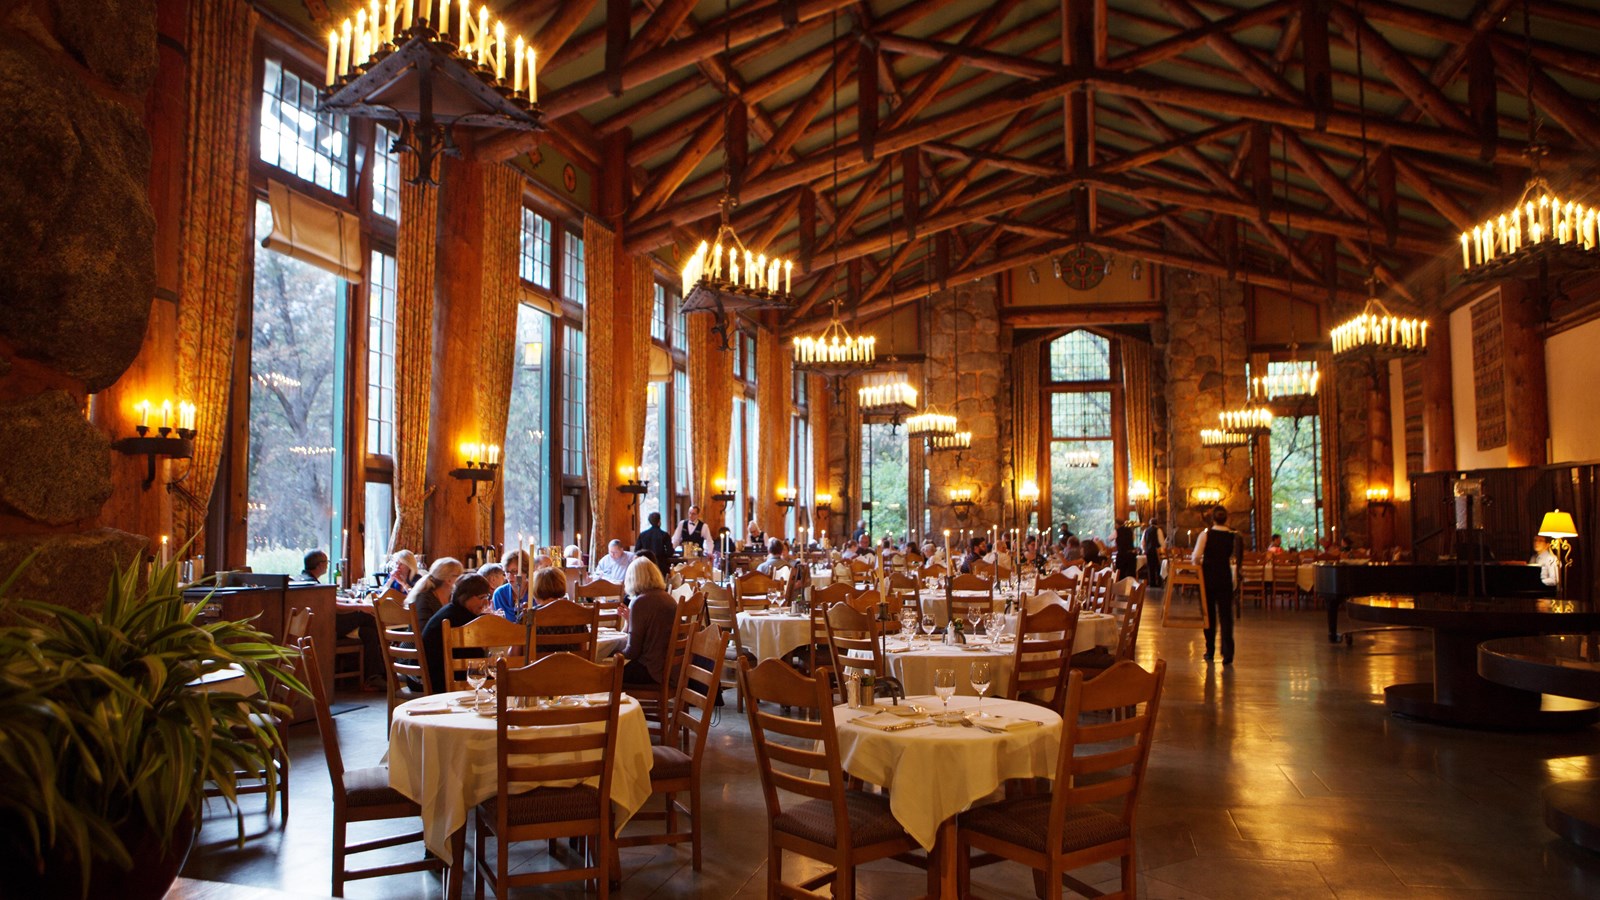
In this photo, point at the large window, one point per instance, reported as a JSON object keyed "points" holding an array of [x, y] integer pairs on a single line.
{"points": [[651, 469], [658, 315], [732, 513], [385, 175], [296, 437], [885, 467], [573, 286], [525, 467], [298, 139], [1081, 424], [535, 257], [574, 429], [680, 429], [380, 355], [1295, 476]]}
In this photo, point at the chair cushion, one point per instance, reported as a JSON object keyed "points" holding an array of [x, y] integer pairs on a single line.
{"points": [[546, 805], [670, 762], [1094, 658], [1025, 820], [370, 787], [870, 820]]}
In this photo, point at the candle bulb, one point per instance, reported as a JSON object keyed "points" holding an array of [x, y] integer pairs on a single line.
{"points": [[166, 414], [144, 413], [165, 551], [516, 74], [333, 54]]}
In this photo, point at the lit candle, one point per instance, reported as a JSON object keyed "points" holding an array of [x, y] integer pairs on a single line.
{"points": [[144, 413], [533, 86], [465, 43], [499, 50], [345, 46], [516, 75], [166, 555], [788, 271], [410, 11], [482, 43], [443, 25], [333, 54], [166, 413]]}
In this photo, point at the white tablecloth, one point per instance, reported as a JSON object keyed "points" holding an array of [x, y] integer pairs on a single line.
{"points": [[933, 773], [915, 667], [773, 636], [1302, 575], [609, 642], [446, 763]]}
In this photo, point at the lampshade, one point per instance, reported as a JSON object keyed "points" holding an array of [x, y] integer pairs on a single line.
{"points": [[1558, 524]]}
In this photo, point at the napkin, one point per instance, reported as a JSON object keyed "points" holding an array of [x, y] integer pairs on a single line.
{"points": [[1004, 723], [427, 710], [884, 721]]}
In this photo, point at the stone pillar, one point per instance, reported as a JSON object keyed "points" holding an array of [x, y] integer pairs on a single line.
{"points": [[77, 276], [1438, 401], [1527, 403], [966, 378], [1380, 459], [1353, 384]]}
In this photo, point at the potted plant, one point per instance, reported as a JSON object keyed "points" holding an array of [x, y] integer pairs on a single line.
{"points": [[106, 745]]}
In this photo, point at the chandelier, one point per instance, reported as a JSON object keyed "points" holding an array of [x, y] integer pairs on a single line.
{"points": [[430, 75], [1249, 420], [835, 353], [1379, 334], [1217, 439], [1540, 225], [886, 396], [1293, 382], [931, 424], [1080, 459], [722, 276], [956, 440]]}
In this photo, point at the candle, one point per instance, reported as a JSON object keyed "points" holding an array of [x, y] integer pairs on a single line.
{"points": [[443, 25], [410, 11], [482, 43], [465, 42], [166, 414], [333, 53], [165, 553], [345, 46], [144, 413], [533, 86], [499, 50], [516, 75], [788, 271], [345, 542]]}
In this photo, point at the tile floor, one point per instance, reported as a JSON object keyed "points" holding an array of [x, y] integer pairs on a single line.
{"points": [[1279, 777]]}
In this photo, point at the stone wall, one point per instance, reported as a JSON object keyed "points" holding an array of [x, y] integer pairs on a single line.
{"points": [[967, 366], [77, 274], [1200, 359]]}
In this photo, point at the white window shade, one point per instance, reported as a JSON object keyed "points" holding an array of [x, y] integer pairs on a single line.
{"points": [[660, 364], [314, 232]]}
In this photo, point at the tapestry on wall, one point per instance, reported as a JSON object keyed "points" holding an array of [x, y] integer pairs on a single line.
{"points": [[1489, 373]]}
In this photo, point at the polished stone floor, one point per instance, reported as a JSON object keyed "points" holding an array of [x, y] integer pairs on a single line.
{"points": [[1281, 776]]}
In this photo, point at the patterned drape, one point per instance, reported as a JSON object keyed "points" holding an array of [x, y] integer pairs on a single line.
{"points": [[216, 217], [820, 402], [413, 353], [1261, 473], [1137, 402], [500, 291], [1328, 417], [600, 334], [774, 379], [1024, 422], [710, 409], [636, 394]]}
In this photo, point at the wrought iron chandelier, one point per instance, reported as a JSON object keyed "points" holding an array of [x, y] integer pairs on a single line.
{"points": [[1081, 459], [1248, 420], [956, 440], [1217, 439], [931, 424], [886, 397], [835, 352], [430, 75]]}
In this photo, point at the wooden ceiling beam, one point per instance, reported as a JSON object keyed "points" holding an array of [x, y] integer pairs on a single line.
{"points": [[1189, 38], [998, 160], [946, 69], [555, 40], [1485, 20], [1573, 114], [976, 57], [1397, 67], [663, 22]]}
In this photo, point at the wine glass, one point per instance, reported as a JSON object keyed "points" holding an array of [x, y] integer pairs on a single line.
{"points": [[929, 626], [908, 623], [477, 674], [980, 681], [974, 616], [993, 624], [944, 686]]}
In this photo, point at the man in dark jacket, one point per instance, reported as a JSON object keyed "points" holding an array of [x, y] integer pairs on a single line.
{"points": [[1152, 552], [656, 540]]}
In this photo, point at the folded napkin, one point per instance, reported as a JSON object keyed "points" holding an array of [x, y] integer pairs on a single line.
{"points": [[885, 721], [1004, 723], [427, 710]]}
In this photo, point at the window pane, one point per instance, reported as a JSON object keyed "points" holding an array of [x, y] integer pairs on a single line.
{"points": [[572, 282], [385, 175], [380, 355], [1080, 414], [752, 453], [1080, 356], [380, 520], [294, 434], [295, 138], [1081, 499], [535, 262], [525, 465], [655, 440], [680, 429], [886, 461], [749, 358], [574, 435], [658, 315], [680, 330], [731, 513], [1296, 490]]}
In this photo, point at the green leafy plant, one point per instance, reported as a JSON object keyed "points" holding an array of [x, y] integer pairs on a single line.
{"points": [[102, 733]]}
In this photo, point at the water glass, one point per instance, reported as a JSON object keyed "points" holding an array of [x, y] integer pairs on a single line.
{"points": [[928, 625], [944, 687], [993, 624], [477, 674], [980, 675]]}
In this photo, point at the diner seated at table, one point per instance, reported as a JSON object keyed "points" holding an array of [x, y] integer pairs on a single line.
{"points": [[495, 573], [754, 537], [1092, 555], [1549, 565], [776, 559], [999, 555], [469, 599], [549, 584], [976, 551], [402, 572], [347, 622], [510, 597], [1072, 550], [651, 615], [572, 556], [432, 592], [614, 564]]}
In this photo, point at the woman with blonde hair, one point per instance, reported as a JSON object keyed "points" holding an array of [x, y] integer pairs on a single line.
{"points": [[402, 571], [652, 613], [432, 592]]}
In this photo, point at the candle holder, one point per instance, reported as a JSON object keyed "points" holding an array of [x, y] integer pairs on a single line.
{"points": [[633, 489], [475, 472], [164, 445]]}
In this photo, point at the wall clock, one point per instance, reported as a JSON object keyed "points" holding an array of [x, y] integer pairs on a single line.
{"points": [[1083, 268]]}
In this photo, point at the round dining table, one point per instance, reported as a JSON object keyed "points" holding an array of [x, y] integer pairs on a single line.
{"points": [[914, 663], [933, 772], [442, 755], [1458, 695], [772, 635], [1567, 665]]}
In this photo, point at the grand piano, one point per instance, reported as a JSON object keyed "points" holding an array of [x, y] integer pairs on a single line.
{"points": [[1336, 581]]}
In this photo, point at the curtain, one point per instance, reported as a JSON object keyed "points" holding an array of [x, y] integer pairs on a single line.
{"points": [[636, 394], [1137, 400], [820, 401], [1328, 415], [216, 217], [710, 408], [774, 376], [600, 333], [1261, 471], [500, 293], [413, 353], [1025, 423]]}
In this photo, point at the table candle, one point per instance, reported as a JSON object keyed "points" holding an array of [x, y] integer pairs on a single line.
{"points": [[165, 557]]}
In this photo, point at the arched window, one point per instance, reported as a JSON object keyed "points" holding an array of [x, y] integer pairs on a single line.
{"points": [[1083, 419]]}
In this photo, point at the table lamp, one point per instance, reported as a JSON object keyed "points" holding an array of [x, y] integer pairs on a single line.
{"points": [[1559, 527]]}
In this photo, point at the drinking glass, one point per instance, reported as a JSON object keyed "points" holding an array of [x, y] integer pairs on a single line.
{"points": [[980, 682], [944, 686], [993, 624], [477, 673], [928, 626], [908, 623], [974, 616]]}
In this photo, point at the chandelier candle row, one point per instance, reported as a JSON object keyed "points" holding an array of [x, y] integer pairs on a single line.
{"points": [[960, 440], [894, 394], [961, 495], [1249, 420], [1297, 381], [1217, 438], [1375, 328], [1531, 222], [375, 29], [831, 350], [757, 274], [931, 424], [1081, 459]]}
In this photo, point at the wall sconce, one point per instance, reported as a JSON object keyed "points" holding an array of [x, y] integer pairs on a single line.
{"points": [[1560, 529], [824, 502], [632, 487], [174, 437], [1139, 491], [1377, 495], [1028, 493], [787, 497], [1205, 496], [724, 492], [483, 462], [961, 502]]}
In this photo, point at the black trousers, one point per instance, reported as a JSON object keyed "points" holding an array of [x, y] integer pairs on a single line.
{"points": [[1219, 613]]}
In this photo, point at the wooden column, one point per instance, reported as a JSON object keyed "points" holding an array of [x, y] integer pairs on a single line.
{"points": [[1527, 404], [614, 195], [451, 524], [1438, 403], [1380, 458]]}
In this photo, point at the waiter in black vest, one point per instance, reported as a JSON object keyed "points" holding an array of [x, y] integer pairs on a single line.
{"points": [[1215, 551], [691, 531]]}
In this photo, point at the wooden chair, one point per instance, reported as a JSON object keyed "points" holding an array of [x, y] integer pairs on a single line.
{"points": [[562, 626], [551, 755], [901, 591], [693, 569], [969, 592], [296, 627], [931, 570], [990, 571], [1129, 611], [606, 596], [1099, 594], [401, 645], [837, 592], [861, 570], [676, 764], [831, 824], [1042, 653], [1099, 763], [1253, 578], [1286, 579], [1182, 577], [657, 699], [473, 641], [751, 590], [359, 795], [352, 652], [1060, 582], [867, 602], [849, 630], [721, 616]]}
